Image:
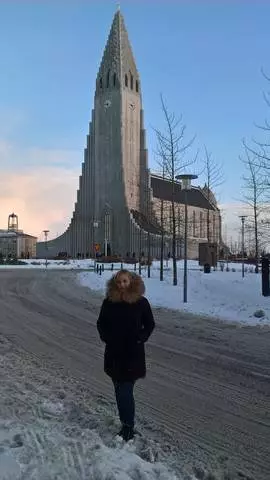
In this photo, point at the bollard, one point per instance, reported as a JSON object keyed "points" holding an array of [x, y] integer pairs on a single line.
{"points": [[97, 267], [100, 270], [135, 267], [207, 268], [112, 267], [103, 267], [121, 266], [265, 277]]}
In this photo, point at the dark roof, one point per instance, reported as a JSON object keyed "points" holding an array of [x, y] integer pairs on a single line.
{"points": [[162, 189], [143, 223]]}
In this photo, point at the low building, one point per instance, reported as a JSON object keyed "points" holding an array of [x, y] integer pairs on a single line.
{"points": [[14, 243], [17, 244], [204, 218]]}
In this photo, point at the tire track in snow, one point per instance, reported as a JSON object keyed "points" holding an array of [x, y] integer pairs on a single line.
{"points": [[199, 384]]}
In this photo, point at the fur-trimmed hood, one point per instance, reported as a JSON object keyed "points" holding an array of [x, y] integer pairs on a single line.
{"points": [[133, 293]]}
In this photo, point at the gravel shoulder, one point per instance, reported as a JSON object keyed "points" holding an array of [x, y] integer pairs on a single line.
{"points": [[208, 384]]}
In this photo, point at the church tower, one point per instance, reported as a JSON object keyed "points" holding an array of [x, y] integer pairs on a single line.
{"points": [[120, 176], [114, 191]]}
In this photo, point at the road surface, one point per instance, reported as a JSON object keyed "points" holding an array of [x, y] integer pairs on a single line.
{"points": [[208, 384]]}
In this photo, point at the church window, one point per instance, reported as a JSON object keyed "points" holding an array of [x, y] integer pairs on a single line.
{"points": [[137, 86], [131, 81], [194, 223], [108, 79], [114, 79], [126, 80], [179, 221], [201, 225], [100, 82]]}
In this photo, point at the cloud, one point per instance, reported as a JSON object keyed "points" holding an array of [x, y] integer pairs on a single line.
{"points": [[40, 185], [231, 223], [11, 156], [40, 189]]}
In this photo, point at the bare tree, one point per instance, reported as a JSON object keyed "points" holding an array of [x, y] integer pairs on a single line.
{"points": [[162, 233], [260, 149], [171, 152], [254, 187], [214, 178], [259, 153]]}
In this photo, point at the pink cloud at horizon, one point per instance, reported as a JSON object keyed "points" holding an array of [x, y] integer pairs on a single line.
{"points": [[42, 198]]}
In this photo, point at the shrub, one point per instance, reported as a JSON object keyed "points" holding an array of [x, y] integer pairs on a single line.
{"points": [[111, 259], [130, 260], [144, 262]]}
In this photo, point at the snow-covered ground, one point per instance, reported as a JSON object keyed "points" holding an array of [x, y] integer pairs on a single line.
{"points": [[53, 264], [221, 294], [48, 433]]}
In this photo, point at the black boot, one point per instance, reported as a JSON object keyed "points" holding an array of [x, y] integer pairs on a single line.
{"points": [[127, 433]]}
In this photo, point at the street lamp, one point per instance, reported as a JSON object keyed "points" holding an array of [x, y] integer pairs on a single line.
{"points": [[186, 185], [46, 232], [243, 219]]}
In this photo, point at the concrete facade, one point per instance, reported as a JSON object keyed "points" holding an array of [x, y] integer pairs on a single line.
{"points": [[115, 176], [17, 244]]}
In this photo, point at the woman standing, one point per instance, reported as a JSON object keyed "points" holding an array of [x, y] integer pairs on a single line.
{"points": [[125, 323]]}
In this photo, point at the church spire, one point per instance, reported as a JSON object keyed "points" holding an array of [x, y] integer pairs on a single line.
{"points": [[118, 60]]}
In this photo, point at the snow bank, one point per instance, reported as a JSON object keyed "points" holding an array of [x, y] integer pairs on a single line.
{"points": [[47, 452], [51, 430], [223, 295], [52, 264]]}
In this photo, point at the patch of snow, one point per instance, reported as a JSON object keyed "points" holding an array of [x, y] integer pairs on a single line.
{"points": [[51, 408], [9, 468], [52, 264], [223, 295], [72, 439]]}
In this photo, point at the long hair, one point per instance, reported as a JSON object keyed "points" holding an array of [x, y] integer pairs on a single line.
{"points": [[132, 294]]}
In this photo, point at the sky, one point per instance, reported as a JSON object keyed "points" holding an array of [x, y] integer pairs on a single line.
{"points": [[205, 57]]}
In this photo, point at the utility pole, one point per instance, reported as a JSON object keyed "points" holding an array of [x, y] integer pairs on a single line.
{"points": [[186, 185], [148, 235], [140, 250], [185, 248], [46, 232], [243, 219], [162, 233]]}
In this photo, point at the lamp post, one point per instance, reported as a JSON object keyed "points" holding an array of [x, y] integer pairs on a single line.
{"points": [[46, 232], [243, 219], [186, 185]]}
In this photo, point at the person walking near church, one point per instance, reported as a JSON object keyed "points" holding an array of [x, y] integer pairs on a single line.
{"points": [[125, 323]]}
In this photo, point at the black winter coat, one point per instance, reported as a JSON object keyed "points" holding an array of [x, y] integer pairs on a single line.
{"points": [[125, 326]]}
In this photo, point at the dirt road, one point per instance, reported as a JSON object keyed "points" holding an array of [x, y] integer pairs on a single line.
{"points": [[208, 384]]}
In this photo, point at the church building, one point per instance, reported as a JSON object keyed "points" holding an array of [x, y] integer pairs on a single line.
{"points": [[116, 189]]}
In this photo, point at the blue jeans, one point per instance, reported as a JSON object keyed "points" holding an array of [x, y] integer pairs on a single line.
{"points": [[125, 402]]}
